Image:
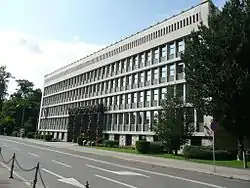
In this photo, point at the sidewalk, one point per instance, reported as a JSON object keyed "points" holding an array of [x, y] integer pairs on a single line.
{"points": [[6, 182], [242, 174]]}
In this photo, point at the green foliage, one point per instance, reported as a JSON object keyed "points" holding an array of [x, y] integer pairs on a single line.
{"points": [[14, 133], [156, 147], [30, 135], [48, 137], [174, 123], [80, 140], [206, 153], [217, 67], [99, 141], [142, 146], [110, 143]]}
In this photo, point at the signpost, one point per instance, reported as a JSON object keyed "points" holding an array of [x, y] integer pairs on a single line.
{"points": [[213, 127]]}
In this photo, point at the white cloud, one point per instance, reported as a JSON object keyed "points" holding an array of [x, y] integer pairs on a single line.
{"points": [[28, 57]]}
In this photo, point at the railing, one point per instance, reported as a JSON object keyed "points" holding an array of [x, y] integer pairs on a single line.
{"points": [[14, 162]]}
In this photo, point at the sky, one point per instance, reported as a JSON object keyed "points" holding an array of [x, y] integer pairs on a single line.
{"points": [[40, 36]]}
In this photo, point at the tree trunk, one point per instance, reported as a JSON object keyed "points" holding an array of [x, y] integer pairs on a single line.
{"points": [[242, 151], [176, 152]]}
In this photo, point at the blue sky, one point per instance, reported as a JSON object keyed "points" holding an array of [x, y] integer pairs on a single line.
{"points": [[93, 21], [39, 36]]}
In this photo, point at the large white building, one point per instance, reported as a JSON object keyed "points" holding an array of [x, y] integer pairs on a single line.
{"points": [[129, 77]]}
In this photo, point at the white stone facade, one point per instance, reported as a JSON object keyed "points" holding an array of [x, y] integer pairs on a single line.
{"points": [[129, 77]]}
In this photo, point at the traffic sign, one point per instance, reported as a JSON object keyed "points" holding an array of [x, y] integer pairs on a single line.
{"points": [[214, 125]]}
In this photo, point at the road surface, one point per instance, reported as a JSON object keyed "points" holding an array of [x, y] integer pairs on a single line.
{"points": [[70, 169]]}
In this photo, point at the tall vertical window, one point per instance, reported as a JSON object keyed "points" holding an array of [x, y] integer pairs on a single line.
{"points": [[135, 98], [123, 99], [163, 52], [135, 78], [141, 96], [171, 51], [156, 95], [129, 80], [148, 75], [163, 72], [180, 46], [128, 98], [156, 76], [148, 97], [142, 77], [142, 60], [117, 100], [136, 61], [156, 53], [163, 93], [147, 118], [148, 55]]}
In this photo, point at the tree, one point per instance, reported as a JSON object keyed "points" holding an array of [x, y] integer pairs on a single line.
{"points": [[217, 67], [5, 76], [173, 125]]}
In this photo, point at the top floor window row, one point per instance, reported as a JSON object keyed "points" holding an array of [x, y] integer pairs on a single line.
{"points": [[159, 54], [151, 36]]}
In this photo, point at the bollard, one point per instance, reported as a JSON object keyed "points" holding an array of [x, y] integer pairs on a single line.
{"points": [[36, 173], [0, 149], [12, 165], [87, 184]]}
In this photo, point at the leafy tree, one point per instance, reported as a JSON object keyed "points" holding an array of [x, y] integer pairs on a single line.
{"points": [[5, 76], [173, 125], [217, 67]]}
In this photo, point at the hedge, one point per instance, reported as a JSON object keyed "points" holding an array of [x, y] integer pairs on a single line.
{"points": [[48, 137], [80, 140], [156, 147], [206, 153], [110, 143], [142, 146], [30, 135], [14, 133]]}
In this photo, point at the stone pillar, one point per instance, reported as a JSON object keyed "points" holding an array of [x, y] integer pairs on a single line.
{"points": [[55, 134], [150, 138], [60, 136], [111, 137], [65, 139], [122, 140], [134, 139]]}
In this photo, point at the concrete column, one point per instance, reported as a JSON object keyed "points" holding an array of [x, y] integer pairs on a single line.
{"points": [[134, 139], [195, 119], [65, 139], [122, 140], [55, 134], [60, 136], [123, 121]]}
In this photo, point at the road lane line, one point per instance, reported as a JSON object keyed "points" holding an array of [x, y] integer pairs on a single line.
{"points": [[61, 163], [32, 154], [115, 181], [16, 149], [116, 172], [121, 166], [52, 173]]}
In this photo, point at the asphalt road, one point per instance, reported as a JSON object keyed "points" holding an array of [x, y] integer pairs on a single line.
{"points": [[70, 169]]}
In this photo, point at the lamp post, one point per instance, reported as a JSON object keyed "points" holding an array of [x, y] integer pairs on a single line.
{"points": [[23, 114]]}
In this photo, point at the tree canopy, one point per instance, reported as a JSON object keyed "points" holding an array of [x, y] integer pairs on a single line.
{"points": [[217, 67], [25, 99]]}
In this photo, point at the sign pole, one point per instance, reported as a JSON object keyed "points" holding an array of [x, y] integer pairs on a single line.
{"points": [[214, 153]]}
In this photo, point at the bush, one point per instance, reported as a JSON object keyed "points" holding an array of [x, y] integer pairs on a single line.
{"points": [[156, 147], [99, 141], [48, 137], [30, 135], [110, 143], [14, 133], [142, 146], [206, 153], [127, 147]]}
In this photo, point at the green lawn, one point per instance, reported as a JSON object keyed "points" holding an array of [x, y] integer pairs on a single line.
{"points": [[234, 163]]}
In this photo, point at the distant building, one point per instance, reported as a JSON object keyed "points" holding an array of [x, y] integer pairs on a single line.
{"points": [[129, 77]]}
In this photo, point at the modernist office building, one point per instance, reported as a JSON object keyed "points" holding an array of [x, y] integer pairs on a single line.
{"points": [[129, 77]]}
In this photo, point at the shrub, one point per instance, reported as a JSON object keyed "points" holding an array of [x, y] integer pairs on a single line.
{"points": [[99, 141], [206, 153], [30, 135], [142, 146], [156, 147], [128, 147], [14, 133], [48, 137], [110, 143]]}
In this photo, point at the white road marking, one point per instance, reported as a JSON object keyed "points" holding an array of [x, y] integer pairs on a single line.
{"points": [[32, 154], [16, 149], [115, 181], [71, 181], [117, 172], [61, 163], [52, 173], [121, 166]]}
